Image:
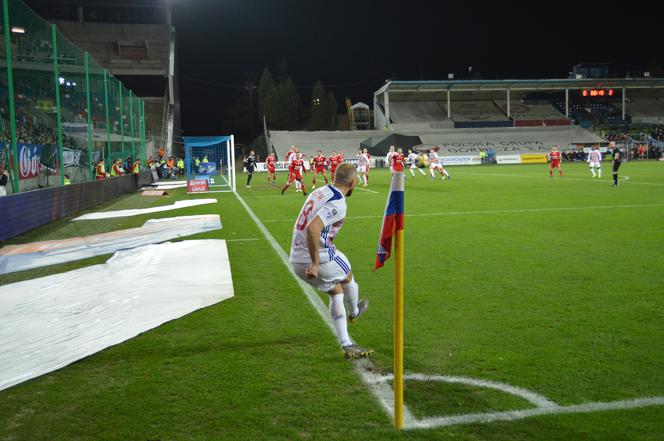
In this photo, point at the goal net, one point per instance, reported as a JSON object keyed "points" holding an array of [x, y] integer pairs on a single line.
{"points": [[211, 158]]}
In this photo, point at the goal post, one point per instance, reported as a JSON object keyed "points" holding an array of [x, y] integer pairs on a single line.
{"points": [[211, 159]]}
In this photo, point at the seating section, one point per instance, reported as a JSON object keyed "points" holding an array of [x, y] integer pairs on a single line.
{"points": [[531, 115], [418, 114], [646, 110], [472, 114]]}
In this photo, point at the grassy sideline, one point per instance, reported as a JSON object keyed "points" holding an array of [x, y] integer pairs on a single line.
{"points": [[511, 276]]}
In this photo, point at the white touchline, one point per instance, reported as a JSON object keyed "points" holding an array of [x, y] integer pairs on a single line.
{"points": [[566, 178], [518, 210], [366, 189], [240, 240], [365, 369]]}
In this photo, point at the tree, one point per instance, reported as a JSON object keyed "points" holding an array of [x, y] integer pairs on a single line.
{"points": [[289, 105], [266, 96], [317, 119], [331, 103]]}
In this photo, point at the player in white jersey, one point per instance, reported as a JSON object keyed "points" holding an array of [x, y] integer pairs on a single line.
{"points": [[412, 160], [362, 166], [316, 260], [595, 161], [388, 157], [435, 164]]}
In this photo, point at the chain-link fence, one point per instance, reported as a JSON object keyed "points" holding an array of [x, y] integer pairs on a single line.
{"points": [[61, 113]]}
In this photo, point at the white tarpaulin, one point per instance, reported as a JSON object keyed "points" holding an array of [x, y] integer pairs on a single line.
{"points": [[33, 255], [166, 185], [138, 212], [50, 322]]}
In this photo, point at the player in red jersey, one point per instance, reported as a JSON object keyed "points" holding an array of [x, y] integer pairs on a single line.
{"points": [[341, 156], [271, 164], [296, 168], [334, 162], [398, 161], [555, 162], [318, 162]]}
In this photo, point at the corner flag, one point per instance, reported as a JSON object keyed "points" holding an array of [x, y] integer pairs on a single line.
{"points": [[393, 227], [393, 220]]}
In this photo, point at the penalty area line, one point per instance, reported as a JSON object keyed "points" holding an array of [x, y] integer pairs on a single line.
{"points": [[364, 367]]}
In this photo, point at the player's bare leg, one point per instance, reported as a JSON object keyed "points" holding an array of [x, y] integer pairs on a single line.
{"points": [[560, 171], [444, 172], [304, 189], [325, 177], [365, 179]]}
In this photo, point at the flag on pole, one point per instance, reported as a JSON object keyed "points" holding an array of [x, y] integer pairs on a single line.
{"points": [[393, 220]]}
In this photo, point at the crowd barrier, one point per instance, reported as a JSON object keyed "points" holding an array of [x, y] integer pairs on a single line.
{"points": [[31, 209]]}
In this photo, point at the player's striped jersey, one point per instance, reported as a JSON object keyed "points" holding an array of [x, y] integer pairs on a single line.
{"points": [[397, 162], [388, 158], [334, 161], [594, 156], [363, 159], [555, 156], [433, 158], [329, 205], [412, 157]]}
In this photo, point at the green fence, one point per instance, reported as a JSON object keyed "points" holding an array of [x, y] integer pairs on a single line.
{"points": [[60, 111]]}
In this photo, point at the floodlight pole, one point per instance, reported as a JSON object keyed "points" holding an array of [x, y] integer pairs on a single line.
{"points": [[623, 103], [567, 103], [449, 109], [509, 110], [386, 98]]}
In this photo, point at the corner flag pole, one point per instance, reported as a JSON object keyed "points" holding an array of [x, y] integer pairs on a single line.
{"points": [[398, 329]]}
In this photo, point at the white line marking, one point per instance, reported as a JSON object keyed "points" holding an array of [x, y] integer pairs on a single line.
{"points": [[240, 240], [519, 210], [566, 178], [366, 189], [483, 418], [535, 398], [364, 368]]}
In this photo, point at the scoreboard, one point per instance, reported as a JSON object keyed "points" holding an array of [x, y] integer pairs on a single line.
{"points": [[597, 92]]}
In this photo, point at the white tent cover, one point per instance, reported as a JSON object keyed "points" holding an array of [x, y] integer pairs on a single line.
{"points": [[140, 211], [50, 322]]}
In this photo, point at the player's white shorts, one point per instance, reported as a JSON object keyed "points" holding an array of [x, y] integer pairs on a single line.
{"points": [[329, 273], [412, 165], [594, 164], [361, 168], [435, 165]]}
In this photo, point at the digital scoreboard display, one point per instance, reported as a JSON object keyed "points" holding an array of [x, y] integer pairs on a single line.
{"points": [[597, 92]]}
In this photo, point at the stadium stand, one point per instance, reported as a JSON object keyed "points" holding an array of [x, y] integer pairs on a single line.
{"points": [[534, 114], [418, 115], [646, 110], [453, 142], [469, 114]]}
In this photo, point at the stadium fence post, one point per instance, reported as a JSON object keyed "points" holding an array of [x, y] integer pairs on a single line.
{"points": [[398, 327], [57, 102], [108, 120], [89, 111], [10, 91], [122, 146], [131, 124]]}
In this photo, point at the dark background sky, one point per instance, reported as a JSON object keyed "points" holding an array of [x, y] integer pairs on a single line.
{"points": [[366, 42]]}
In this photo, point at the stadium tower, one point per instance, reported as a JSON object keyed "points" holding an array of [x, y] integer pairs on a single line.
{"points": [[135, 41]]}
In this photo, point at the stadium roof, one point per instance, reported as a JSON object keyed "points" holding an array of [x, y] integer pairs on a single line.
{"points": [[524, 85]]}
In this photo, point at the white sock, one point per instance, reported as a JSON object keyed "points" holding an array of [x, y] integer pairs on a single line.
{"points": [[422, 171], [592, 170], [445, 173], [599, 171], [351, 295], [338, 313], [433, 176], [412, 172], [365, 179]]}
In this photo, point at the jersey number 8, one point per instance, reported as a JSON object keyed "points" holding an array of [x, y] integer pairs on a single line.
{"points": [[304, 216]]}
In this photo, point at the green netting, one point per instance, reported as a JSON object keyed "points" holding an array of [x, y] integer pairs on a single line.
{"points": [[69, 111]]}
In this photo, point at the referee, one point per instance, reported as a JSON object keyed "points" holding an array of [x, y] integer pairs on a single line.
{"points": [[617, 160], [249, 165]]}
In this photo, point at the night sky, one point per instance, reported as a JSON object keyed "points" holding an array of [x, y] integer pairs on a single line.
{"points": [[223, 42]]}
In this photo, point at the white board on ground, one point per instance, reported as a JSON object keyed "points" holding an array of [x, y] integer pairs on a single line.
{"points": [[50, 322], [37, 254], [140, 211], [165, 185]]}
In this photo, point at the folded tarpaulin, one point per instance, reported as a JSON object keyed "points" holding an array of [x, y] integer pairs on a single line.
{"points": [[37, 254], [52, 321], [140, 211]]}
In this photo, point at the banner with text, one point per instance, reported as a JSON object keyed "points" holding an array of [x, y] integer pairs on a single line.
{"points": [[534, 159]]}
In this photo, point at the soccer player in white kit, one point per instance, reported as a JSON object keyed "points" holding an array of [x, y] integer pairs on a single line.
{"points": [[412, 160], [362, 166], [436, 164], [595, 161], [388, 157], [316, 260]]}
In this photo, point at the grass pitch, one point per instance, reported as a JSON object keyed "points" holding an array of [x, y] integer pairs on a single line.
{"points": [[549, 284]]}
